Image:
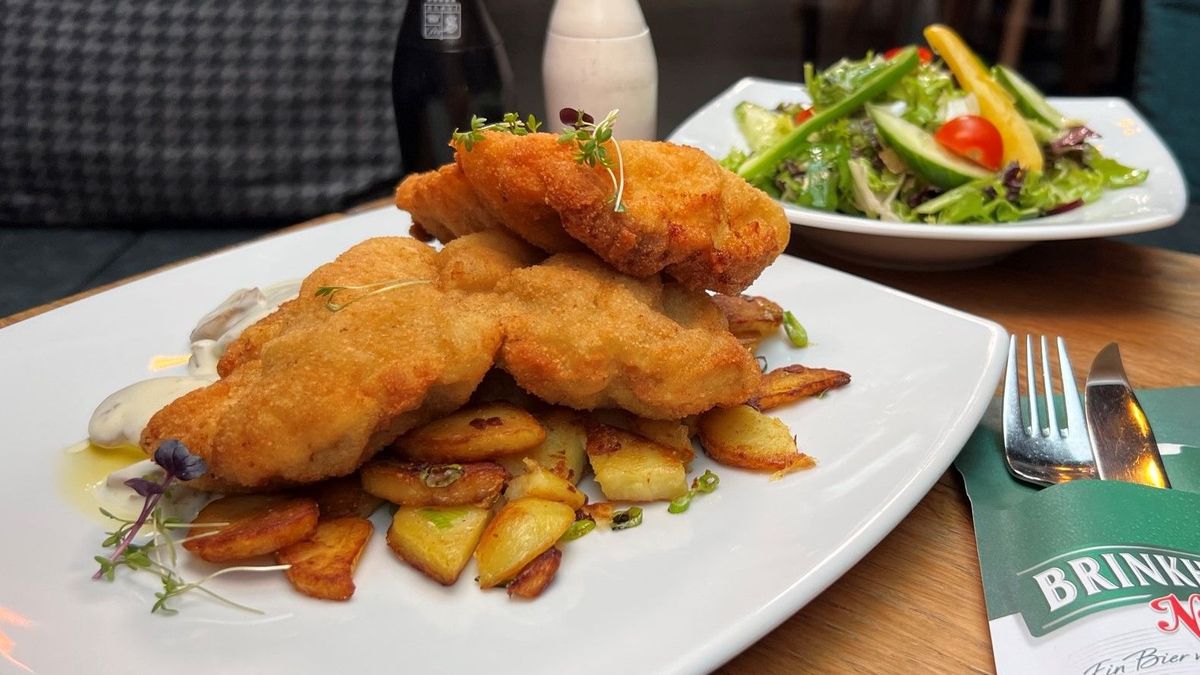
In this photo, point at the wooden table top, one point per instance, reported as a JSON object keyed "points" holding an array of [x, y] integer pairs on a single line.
{"points": [[915, 603]]}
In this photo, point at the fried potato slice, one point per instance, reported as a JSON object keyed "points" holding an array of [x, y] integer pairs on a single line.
{"points": [[258, 524], [536, 576], [411, 484], [537, 481], [474, 434], [521, 531], [674, 435], [792, 383], [744, 437], [630, 467], [601, 512], [751, 318], [343, 497], [323, 565], [564, 450], [437, 540]]}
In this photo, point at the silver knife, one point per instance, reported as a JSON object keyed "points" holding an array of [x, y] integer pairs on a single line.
{"points": [[1122, 440]]}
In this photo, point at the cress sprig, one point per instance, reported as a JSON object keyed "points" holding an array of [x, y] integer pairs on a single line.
{"points": [[511, 122], [159, 557], [329, 292], [590, 139]]}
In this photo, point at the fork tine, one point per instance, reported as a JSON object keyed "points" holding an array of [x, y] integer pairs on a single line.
{"points": [[1048, 392], [1076, 422], [1035, 426], [1011, 417]]}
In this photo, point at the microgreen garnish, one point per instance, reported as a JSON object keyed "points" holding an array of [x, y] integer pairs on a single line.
{"points": [[441, 475], [703, 484], [589, 138], [328, 292], [578, 529], [178, 463], [511, 122], [159, 557], [795, 331], [630, 517]]}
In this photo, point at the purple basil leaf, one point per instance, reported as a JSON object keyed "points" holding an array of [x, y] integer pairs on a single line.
{"points": [[1012, 179], [574, 118], [144, 487], [1075, 138], [175, 458]]}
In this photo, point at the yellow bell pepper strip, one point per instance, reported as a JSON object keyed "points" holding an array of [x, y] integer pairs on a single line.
{"points": [[875, 84], [995, 104]]}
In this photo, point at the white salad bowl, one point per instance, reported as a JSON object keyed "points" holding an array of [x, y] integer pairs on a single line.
{"points": [[1124, 135]]}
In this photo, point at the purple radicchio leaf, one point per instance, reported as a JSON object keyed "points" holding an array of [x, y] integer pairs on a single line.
{"points": [[1075, 139], [1012, 179], [918, 198], [175, 458], [144, 487], [1063, 208]]}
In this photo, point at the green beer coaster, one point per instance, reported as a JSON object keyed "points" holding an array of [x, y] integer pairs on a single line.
{"points": [[1058, 555]]}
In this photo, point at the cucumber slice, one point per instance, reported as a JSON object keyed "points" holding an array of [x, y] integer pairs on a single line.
{"points": [[760, 126], [922, 153], [1029, 100]]}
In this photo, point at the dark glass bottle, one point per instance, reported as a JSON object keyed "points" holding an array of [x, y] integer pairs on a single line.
{"points": [[450, 64]]}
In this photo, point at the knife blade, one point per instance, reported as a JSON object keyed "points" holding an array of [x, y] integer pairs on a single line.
{"points": [[1122, 440]]}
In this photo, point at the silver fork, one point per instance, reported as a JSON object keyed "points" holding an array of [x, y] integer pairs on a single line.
{"points": [[1054, 454]]}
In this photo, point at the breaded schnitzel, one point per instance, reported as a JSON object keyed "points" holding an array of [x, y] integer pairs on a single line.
{"points": [[309, 393], [579, 334], [685, 215]]}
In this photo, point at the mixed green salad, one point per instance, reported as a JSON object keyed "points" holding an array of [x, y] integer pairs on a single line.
{"points": [[903, 137]]}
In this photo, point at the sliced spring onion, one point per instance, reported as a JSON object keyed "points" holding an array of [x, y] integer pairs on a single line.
{"points": [[795, 331], [630, 517]]}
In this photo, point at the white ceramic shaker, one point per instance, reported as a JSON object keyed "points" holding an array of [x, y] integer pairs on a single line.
{"points": [[599, 57]]}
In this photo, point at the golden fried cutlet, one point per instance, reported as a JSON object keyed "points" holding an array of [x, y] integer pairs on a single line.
{"points": [[447, 205], [309, 394], [579, 334], [685, 215]]}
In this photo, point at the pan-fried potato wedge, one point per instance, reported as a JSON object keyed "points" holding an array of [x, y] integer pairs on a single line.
{"points": [[539, 482], [521, 531], [601, 512], [536, 576], [411, 484], [258, 524], [564, 450], [792, 383], [751, 318], [633, 468], [674, 435], [437, 540], [744, 437], [323, 565], [343, 497], [473, 434]]}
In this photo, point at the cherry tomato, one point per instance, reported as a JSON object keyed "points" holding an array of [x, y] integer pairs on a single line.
{"points": [[803, 115], [923, 54], [974, 138]]}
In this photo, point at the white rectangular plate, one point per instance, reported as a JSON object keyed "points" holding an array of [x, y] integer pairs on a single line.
{"points": [[681, 593]]}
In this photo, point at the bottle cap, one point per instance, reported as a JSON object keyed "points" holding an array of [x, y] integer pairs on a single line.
{"points": [[597, 19]]}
